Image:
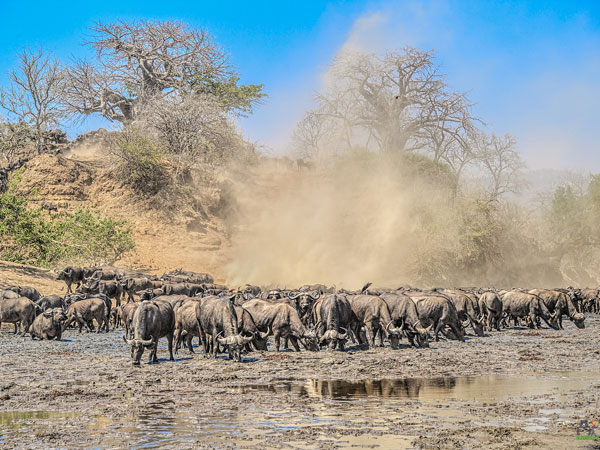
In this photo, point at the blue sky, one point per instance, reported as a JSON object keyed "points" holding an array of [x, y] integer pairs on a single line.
{"points": [[532, 67]]}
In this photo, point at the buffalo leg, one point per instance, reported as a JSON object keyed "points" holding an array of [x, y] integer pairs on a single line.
{"points": [[214, 344], [152, 349], [534, 323], [277, 337], [438, 327], [189, 342], [177, 339], [170, 344], [380, 334], [294, 342]]}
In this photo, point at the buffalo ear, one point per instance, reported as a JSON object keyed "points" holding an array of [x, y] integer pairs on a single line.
{"points": [[47, 314]]}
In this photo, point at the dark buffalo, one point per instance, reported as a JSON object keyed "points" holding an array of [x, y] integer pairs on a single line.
{"points": [[333, 316], [217, 317], [71, 275], [187, 289], [115, 317], [127, 312], [405, 316], [26, 291], [20, 310], [440, 312], [109, 288], [106, 274], [490, 306], [304, 304], [187, 277], [467, 308], [373, 313], [247, 326], [559, 303], [152, 320], [49, 324], [281, 320], [83, 312], [131, 286], [186, 322], [50, 302], [517, 304]]}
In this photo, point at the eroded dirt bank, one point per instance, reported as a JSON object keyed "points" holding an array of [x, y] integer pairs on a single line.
{"points": [[513, 389]]}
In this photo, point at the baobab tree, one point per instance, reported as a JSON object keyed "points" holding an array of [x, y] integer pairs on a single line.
{"points": [[138, 61], [396, 103]]}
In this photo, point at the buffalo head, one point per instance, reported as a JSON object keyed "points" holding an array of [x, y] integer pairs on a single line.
{"points": [[579, 319], [137, 348], [235, 344]]}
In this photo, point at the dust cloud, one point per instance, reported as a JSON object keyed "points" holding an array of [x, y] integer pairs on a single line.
{"points": [[85, 152], [361, 219]]}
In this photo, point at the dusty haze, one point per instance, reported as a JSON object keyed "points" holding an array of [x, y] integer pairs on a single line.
{"points": [[342, 225]]}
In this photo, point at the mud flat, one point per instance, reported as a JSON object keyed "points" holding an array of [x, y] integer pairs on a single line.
{"points": [[516, 388]]}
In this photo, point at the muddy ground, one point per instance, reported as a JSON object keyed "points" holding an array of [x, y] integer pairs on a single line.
{"points": [[516, 388]]}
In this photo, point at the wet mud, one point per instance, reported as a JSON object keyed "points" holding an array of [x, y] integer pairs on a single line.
{"points": [[517, 388]]}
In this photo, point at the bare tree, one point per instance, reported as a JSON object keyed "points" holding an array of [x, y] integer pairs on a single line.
{"points": [[399, 102], [458, 155], [312, 134], [501, 161], [33, 96], [138, 61]]}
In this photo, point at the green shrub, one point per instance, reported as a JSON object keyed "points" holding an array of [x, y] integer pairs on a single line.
{"points": [[30, 236]]}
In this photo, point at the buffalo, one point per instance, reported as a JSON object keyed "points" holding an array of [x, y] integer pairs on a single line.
{"points": [[281, 320], [49, 324], [20, 310], [517, 304], [83, 312], [333, 316], [217, 317], [439, 311], [405, 316], [559, 303], [490, 306], [373, 313]]}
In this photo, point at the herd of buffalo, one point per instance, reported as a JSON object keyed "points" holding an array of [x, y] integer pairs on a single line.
{"points": [[182, 305]]}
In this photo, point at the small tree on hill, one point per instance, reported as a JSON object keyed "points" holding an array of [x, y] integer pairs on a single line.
{"points": [[33, 96]]}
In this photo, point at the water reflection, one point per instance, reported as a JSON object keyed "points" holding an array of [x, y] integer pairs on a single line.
{"points": [[337, 413], [484, 388]]}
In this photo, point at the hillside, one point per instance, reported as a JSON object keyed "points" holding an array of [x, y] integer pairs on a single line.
{"points": [[170, 232]]}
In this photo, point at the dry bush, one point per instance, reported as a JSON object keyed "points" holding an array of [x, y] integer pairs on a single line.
{"points": [[193, 130], [139, 161]]}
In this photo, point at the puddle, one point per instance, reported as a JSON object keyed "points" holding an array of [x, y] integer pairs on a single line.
{"points": [[383, 414], [481, 388]]}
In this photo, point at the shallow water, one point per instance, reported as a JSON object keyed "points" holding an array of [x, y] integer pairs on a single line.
{"points": [[481, 388], [340, 413]]}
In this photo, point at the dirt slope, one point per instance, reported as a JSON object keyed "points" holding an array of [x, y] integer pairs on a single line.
{"points": [[170, 232]]}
